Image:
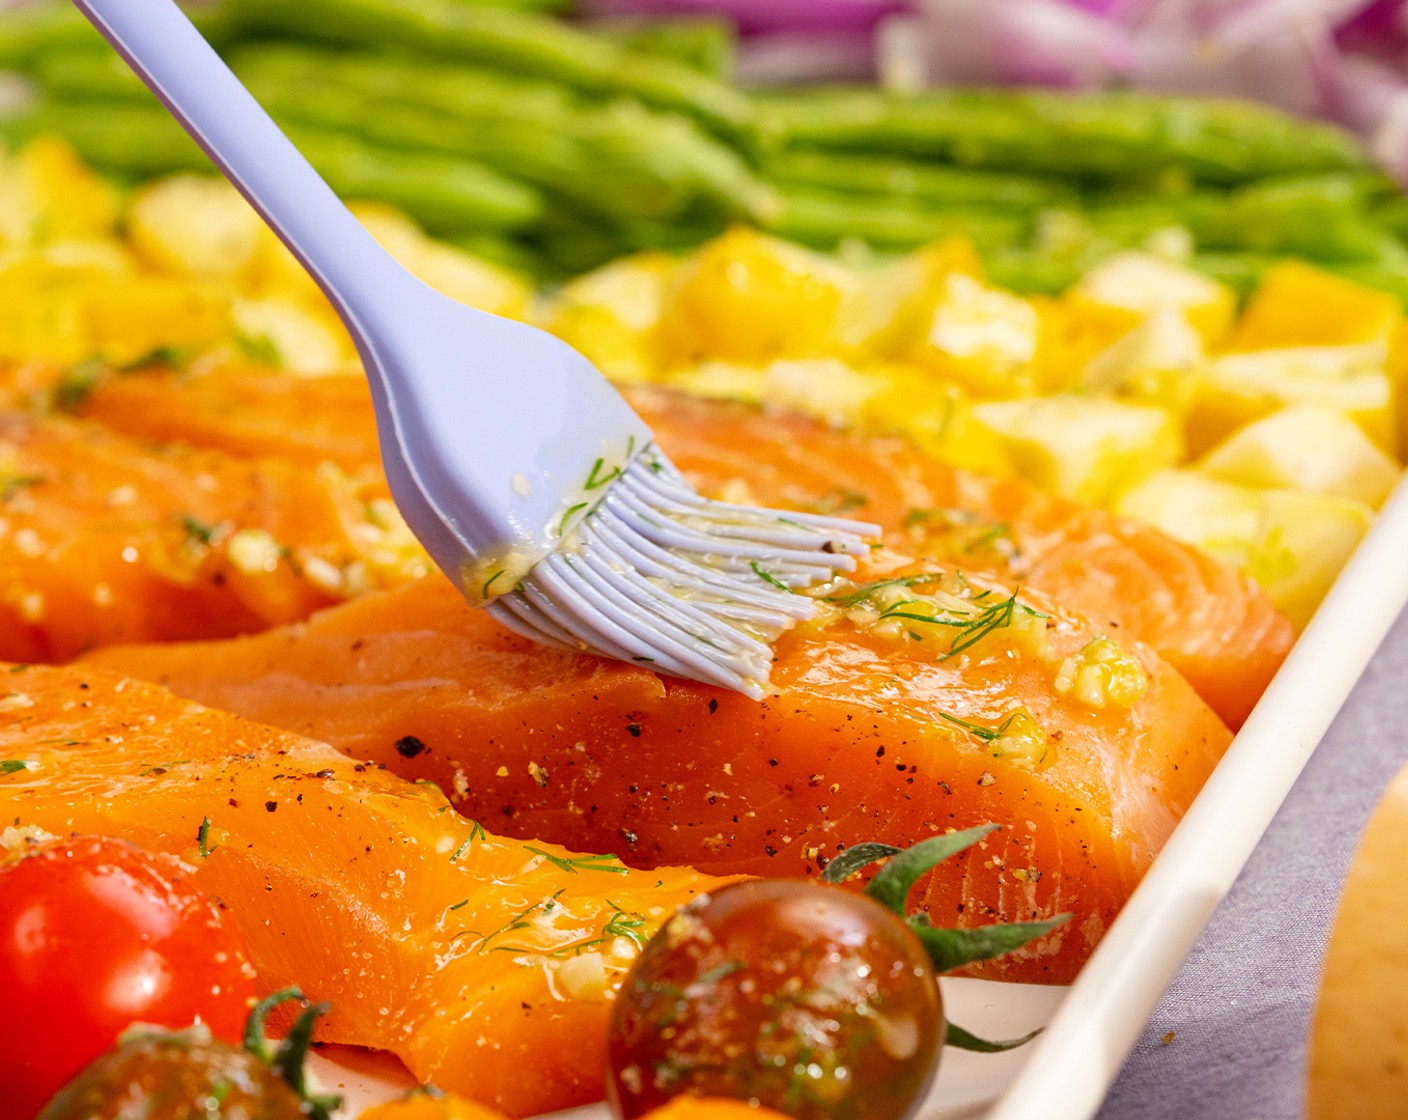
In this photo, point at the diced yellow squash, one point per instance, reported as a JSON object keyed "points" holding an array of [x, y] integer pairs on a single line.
{"points": [[40, 325], [68, 199], [448, 270], [983, 338], [1297, 304], [284, 333], [826, 388], [275, 272], [612, 315], [194, 225], [1291, 542], [1305, 447], [1155, 363], [128, 321], [726, 381], [1234, 389], [1083, 447], [1219, 517], [749, 297], [1304, 541], [887, 311], [939, 417], [1118, 294]]}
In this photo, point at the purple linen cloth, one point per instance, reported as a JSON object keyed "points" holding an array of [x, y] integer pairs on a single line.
{"points": [[1228, 1041]]}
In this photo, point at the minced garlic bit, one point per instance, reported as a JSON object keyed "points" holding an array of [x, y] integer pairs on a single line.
{"points": [[253, 551], [1017, 737], [942, 608], [1102, 675]]}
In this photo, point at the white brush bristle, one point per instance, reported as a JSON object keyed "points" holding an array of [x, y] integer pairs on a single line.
{"points": [[694, 588]]}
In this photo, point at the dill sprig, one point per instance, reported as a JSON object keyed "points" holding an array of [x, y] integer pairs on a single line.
{"points": [[865, 591], [606, 861], [977, 730], [997, 616], [767, 577]]}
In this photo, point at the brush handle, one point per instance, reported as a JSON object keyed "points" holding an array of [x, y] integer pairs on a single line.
{"points": [[193, 82]]}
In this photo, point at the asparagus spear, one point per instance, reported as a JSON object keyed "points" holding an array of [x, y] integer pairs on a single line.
{"points": [[444, 194], [507, 40], [705, 44], [1106, 135], [883, 177], [824, 220], [27, 33], [616, 157]]}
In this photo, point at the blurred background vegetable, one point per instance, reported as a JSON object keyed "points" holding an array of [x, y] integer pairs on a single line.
{"points": [[554, 145]]}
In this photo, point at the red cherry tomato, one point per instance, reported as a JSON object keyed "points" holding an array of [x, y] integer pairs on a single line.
{"points": [[96, 934]]}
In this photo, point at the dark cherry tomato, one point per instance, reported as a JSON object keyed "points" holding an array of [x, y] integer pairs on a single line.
{"points": [[176, 1075], [96, 934], [807, 999]]}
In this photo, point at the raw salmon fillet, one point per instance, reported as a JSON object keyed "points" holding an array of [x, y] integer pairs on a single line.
{"points": [[864, 736], [472, 958], [105, 538], [1209, 621]]}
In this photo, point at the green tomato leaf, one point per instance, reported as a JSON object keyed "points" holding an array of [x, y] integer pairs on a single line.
{"points": [[894, 881], [966, 1040], [850, 861], [953, 948]]}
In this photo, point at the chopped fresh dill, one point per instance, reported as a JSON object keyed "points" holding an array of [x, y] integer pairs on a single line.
{"points": [[203, 838], [76, 384], [566, 517], [980, 625], [838, 501], [476, 831], [198, 532], [720, 972], [160, 767], [607, 861], [597, 478], [768, 577], [940, 513], [864, 591], [624, 923], [11, 486], [460, 905], [260, 349], [986, 734], [997, 531], [462, 849]]}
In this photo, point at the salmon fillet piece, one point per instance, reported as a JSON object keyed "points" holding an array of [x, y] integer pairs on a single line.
{"points": [[471, 957], [1212, 623], [867, 733]]}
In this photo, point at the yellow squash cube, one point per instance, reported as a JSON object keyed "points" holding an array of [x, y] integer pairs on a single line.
{"points": [[1305, 448], [1087, 448], [612, 315], [892, 303], [1155, 363], [1291, 542], [1117, 295], [983, 338], [1297, 304], [194, 225], [749, 297], [1234, 389]]}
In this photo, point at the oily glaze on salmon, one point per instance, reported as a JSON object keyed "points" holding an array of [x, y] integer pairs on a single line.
{"points": [[864, 736], [474, 959], [107, 538], [1210, 622]]}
